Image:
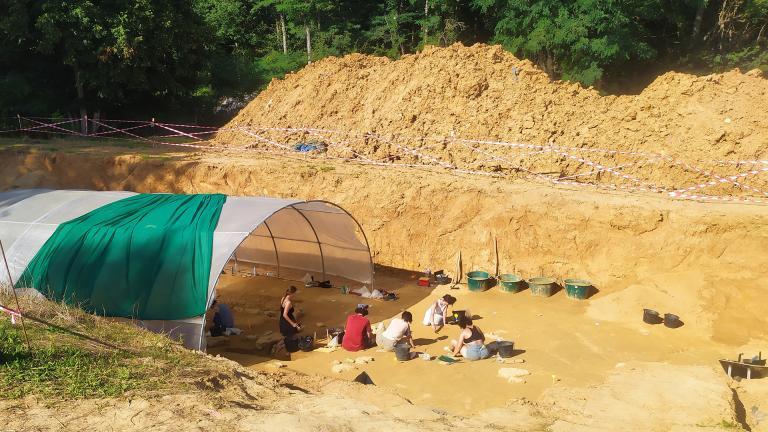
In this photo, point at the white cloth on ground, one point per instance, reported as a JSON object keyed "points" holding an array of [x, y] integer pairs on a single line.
{"points": [[363, 291], [232, 331]]}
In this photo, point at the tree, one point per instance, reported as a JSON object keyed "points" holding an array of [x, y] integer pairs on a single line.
{"points": [[575, 40], [302, 15], [123, 51]]}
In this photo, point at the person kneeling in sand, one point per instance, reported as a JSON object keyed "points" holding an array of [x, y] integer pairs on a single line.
{"points": [[435, 315], [398, 331], [357, 333], [471, 343], [223, 320]]}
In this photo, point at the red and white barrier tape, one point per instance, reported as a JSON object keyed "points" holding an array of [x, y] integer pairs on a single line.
{"points": [[329, 137], [14, 314]]}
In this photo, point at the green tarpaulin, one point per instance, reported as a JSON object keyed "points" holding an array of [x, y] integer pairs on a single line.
{"points": [[147, 256]]}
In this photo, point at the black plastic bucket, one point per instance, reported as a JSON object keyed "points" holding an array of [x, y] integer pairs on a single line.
{"points": [[672, 320], [457, 316], [650, 316], [306, 343], [403, 352], [506, 349]]}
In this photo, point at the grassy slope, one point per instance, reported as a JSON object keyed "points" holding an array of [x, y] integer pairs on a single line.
{"points": [[62, 365]]}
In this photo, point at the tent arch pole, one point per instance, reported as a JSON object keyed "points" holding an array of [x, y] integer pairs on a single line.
{"points": [[319, 245], [220, 269], [365, 237], [274, 243]]}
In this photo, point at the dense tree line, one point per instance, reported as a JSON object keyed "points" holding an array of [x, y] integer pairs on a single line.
{"points": [[189, 58]]}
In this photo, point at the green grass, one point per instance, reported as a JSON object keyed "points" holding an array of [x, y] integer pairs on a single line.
{"points": [[62, 371], [62, 365], [727, 424]]}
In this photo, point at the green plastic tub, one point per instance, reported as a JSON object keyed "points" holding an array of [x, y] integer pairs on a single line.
{"points": [[541, 286], [510, 283], [577, 288], [478, 280]]}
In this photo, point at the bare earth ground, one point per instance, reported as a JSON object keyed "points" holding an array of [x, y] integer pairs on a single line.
{"points": [[704, 262], [556, 335]]}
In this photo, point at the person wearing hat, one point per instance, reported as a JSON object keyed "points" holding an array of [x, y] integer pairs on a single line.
{"points": [[357, 333]]}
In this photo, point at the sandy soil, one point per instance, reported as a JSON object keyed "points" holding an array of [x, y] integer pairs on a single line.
{"points": [[414, 107], [635, 396], [704, 262], [555, 336]]}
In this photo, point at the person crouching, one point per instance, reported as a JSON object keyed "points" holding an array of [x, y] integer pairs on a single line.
{"points": [[357, 332], [398, 331]]}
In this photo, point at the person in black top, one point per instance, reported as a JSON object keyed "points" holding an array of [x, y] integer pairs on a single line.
{"points": [[289, 326], [471, 342]]}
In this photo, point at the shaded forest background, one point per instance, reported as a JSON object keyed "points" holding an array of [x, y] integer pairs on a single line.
{"points": [[201, 60]]}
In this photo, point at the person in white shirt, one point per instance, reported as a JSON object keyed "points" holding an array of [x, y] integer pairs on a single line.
{"points": [[435, 316], [399, 331]]}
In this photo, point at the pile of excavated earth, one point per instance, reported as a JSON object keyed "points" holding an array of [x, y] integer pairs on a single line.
{"points": [[418, 109]]}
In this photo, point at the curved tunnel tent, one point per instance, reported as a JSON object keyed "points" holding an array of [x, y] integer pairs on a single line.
{"points": [[289, 236]]}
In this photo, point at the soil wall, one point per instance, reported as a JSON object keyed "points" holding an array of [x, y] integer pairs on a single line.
{"points": [[705, 262]]}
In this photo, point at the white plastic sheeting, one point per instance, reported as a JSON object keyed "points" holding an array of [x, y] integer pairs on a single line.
{"points": [[313, 236]]}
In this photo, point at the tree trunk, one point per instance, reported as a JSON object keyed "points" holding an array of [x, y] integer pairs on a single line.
{"points": [[546, 62], [277, 31], [96, 118], [426, 17], [309, 44], [285, 36], [697, 22], [80, 102]]}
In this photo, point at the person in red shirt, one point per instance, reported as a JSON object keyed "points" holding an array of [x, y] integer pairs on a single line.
{"points": [[357, 333]]}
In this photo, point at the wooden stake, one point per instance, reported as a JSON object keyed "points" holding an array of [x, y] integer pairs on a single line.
{"points": [[15, 296], [458, 270], [496, 248]]}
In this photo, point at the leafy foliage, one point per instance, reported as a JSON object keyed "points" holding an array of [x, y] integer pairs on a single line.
{"points": [[146, 58]]}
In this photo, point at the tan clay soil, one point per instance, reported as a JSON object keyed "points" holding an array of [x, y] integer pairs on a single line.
{"points": [[237, 399], [704, 262], [473, 93], [554, 336]]}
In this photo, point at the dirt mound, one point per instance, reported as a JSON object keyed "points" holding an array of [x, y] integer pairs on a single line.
{"points": [[484, 93], [474, 92]]}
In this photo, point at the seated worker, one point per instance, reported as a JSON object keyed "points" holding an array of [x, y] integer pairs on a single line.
{"points": [[435, 315], [399, 330], [357, 333], [223, 320], [471, 343]]}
